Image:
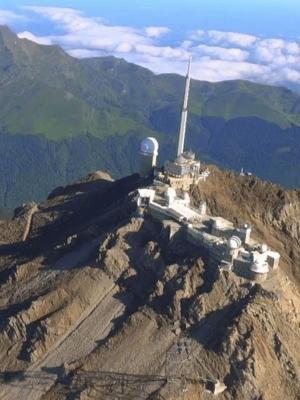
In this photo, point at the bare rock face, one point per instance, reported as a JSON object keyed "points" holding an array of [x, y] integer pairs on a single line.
{"points": [[95, 302], [273, 212]]}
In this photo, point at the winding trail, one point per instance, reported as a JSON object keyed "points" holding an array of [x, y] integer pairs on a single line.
{"points": [[30, 215]]}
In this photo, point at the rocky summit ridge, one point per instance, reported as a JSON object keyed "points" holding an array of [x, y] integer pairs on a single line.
{"points": [[96, 303]]}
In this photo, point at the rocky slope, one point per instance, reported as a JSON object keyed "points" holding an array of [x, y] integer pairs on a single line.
{"points": [[96, 304]]}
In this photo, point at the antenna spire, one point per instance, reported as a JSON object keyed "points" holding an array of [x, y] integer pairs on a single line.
{"points": [[184, 112]]}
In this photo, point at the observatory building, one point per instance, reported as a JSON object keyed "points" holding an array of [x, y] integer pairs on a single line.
{"points": [[148, 156], [183, 165], [229, 247]]}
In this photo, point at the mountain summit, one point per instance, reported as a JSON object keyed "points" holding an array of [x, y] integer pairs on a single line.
{"points": [[99, 301]]}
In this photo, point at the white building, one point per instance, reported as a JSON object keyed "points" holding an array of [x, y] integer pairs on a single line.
{"points": [[148, 156]]}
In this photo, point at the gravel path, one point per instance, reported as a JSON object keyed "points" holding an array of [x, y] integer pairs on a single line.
{"points": [[30, 215]]}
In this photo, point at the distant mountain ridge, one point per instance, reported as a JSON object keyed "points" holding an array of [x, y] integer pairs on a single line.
{"points": [[61, 117]]}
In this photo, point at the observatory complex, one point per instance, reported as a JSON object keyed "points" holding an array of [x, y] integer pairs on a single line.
{"points": [[226, 246]]}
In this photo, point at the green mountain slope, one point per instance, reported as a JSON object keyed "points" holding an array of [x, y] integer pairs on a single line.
{"points": [[61, 117]]}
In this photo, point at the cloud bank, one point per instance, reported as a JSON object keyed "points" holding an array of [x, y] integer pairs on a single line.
{"points": [[216, 55], [9, 17]]}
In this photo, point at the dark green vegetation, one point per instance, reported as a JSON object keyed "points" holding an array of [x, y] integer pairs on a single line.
{"points": [[61, 118]]}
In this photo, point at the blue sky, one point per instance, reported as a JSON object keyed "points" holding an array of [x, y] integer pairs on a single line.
{"points": [[261, 17], [228, 39]]}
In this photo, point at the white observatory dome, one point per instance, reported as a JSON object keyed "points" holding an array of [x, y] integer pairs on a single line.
{"points": [[149, 146], [234, 242]]}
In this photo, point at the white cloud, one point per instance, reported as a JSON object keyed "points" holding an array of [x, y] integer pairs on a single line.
{"points": [[156, 31], [82, 31], [217, 55], [85, 53], [85, 35], [221, 53], [263, 54], [274, 43], [226, 38], [9, 17], [124, 47], [292, 48], [219, 70], [37, 39], [269, 60], [291, 75], [165, 52]]}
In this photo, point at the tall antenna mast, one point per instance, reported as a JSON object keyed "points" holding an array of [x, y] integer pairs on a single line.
{"points": [[184, 112]]}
